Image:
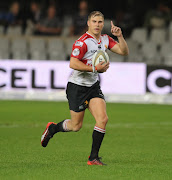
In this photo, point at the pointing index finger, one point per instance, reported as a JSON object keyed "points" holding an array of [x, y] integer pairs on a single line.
{"points": [[112, 23]]}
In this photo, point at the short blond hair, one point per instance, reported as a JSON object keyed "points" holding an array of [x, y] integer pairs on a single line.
{"points": [[95, 13]]}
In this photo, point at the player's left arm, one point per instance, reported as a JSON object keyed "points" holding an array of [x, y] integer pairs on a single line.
{"points": [[121, 47]]}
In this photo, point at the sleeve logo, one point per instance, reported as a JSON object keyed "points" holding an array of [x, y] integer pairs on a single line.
{"points": [[78, 43], [76, 52]]}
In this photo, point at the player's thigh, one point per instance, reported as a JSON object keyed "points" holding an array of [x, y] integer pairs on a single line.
{"points": [[97, 107], [77, 118]]}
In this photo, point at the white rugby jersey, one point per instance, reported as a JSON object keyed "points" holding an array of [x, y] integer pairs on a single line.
{"points": [[83, 49]]}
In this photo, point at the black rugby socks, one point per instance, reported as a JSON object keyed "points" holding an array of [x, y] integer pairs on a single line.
{"points": [[61, 126], [98, 135]]}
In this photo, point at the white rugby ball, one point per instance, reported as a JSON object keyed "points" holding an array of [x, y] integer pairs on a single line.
{"points": [[100, 56]]}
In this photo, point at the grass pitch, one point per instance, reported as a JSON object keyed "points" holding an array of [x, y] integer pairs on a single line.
{"points": [[137, 144]]}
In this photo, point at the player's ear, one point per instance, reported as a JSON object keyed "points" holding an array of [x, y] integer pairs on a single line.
{"points": [[88, 23]]}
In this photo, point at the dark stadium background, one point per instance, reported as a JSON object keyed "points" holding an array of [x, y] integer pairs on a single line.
{"points": [[108, 7]]}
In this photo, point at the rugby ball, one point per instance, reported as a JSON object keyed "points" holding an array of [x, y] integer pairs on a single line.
{"points": [[100, 56]]}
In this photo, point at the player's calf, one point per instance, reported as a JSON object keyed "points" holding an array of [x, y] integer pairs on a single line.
{"points": [[67, 125], [76, 127]]}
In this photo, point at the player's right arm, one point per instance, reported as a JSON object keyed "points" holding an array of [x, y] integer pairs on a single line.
{"points": [[80, 66], [78, 51], [76, 64]]}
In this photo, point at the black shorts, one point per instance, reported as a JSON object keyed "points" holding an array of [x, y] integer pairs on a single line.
{"points": [[79, 96]]}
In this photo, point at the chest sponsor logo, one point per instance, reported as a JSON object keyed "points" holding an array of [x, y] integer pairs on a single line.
{"points": [[93, 51]]}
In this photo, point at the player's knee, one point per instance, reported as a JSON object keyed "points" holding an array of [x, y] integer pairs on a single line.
{"points": [[103, 120], [77, 127]]}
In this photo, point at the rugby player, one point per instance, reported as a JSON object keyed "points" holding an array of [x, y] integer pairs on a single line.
{"points": [[83, 89]]}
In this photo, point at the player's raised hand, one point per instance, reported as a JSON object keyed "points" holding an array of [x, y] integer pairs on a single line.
{"points": [[116, 31]]}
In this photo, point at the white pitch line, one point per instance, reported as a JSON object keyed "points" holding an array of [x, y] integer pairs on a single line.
{"points": [[136, 125], [114, 125]]}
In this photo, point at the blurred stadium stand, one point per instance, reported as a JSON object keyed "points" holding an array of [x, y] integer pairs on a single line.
{"points": [[152, 46], [151, 49]]}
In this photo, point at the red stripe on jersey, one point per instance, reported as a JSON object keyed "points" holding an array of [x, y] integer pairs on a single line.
{"points": [[79, 49], [84, 61], [112, 42], [84, 37]]}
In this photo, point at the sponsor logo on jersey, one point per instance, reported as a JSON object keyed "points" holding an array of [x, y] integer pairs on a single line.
{"points": [[93, 51], [76, 52], [78, 43]]}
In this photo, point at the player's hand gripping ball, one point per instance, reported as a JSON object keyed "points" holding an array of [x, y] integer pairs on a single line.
{"points": [[100, 56]]}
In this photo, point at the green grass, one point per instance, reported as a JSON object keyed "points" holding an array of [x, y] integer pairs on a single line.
{"points": [[137, 144]]}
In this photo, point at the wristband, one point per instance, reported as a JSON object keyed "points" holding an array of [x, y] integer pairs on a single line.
{"points": [[94, 69]]}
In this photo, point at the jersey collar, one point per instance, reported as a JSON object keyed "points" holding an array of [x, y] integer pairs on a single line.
{"points": [[95, 38]]}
